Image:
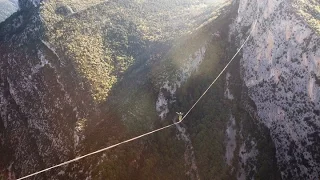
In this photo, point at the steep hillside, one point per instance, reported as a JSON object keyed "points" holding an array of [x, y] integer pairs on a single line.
{"points": [[77, 76], [281, 68], [74, 78]]}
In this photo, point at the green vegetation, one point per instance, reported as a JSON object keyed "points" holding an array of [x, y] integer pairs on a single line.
{"points": [[104, 39], [161, 156], [90, 63], [114, 48], [104, 42]]}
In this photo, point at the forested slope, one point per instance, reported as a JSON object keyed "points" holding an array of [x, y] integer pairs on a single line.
{"points": [[77, 76]]}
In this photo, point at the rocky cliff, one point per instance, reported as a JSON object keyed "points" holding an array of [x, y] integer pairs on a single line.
{"points": [[39, 109], [76, 76], [280, 65]]}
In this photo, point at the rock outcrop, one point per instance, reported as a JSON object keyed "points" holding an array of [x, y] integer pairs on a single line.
{"points": [[76, 76], [280, 65]]}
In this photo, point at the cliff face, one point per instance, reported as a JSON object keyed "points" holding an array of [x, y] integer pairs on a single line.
{"points": [[280, 66], [76, 76], [40, 102]]}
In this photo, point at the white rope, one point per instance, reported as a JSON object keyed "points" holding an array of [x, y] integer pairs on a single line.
{"points": [[205, 92], [95, 152], [151, 132]]}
